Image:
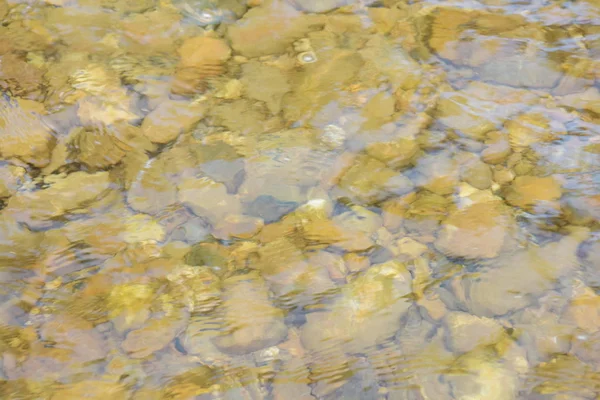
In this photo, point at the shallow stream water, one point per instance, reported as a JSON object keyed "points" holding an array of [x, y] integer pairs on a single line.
{"points": [[300, 199]]}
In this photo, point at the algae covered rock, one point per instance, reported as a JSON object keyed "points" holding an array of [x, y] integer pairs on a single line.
{"points": [[396, 154], [102, 147]]}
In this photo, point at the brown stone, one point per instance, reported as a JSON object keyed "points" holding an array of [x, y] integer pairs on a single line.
{"points": [[530, 191]]}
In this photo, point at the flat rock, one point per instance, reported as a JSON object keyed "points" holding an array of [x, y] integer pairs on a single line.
{"points": [[152, 190], [201, 50]]}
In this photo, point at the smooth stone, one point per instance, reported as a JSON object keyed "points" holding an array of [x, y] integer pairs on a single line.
{"points": [[201, 50], [588, 100], [24, 135], [237, 226], [207, 198], [531, 191], [171, 118], [250, 321], [477, 174], [269, 208], [495, 291], [320, 6], [466, 332], [269, 29], [478, 231]]}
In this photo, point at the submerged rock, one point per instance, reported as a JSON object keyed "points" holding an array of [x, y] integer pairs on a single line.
{"points": [[477, 231], [396, 154], [10, 178], [18, 245], [529, 192], [170, 118], [207, 198], [364, 315], [589, 100], [319, 6], [528, 129], [250, 321], [269, 29], [265, 83], [73, 192], [476, 110], [200, 58], [24, 135], [369, 180], [466, 332], [515, 280]]}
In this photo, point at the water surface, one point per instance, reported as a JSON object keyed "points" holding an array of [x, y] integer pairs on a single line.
{"points": [[303, 199]]}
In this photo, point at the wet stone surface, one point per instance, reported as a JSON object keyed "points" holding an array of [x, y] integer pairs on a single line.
{"points": [[299, 199]]}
